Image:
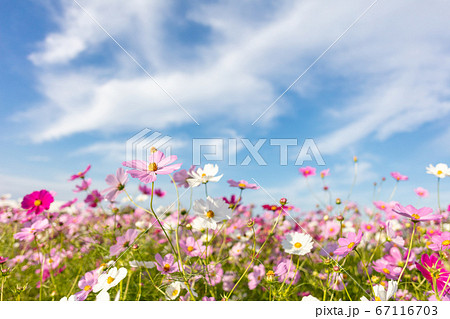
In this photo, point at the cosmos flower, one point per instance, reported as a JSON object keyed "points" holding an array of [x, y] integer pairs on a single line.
{"points": [[421, 192], [204, 175], [37, 202], [211, 212], [380, 292], [157, 164], [297, 244], [93, 198], [307, 171], [28, 233], [255, 277], [110, 279], [3, 260], [242, 184], [325, 173], [81, 175], [86, 285], [117, 184], [416, 215], [166, 265], [181, 177], [85, 183], [440, 242], [68, 204], [432, 268], [346, 245], [123, 242], [399, 177], [191, 247], [441, 170]]}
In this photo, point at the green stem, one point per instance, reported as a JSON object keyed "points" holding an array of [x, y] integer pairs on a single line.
{"points": [[409, 252]]}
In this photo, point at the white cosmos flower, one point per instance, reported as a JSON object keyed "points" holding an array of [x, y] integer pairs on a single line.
{"points": [[211, 212], [110, 279], [143, 264], [142, 198], [310, 298], [203, 176], [297, 244], [71, 298], [440, 170], [173, 290], [381, 294], [104, 296]]}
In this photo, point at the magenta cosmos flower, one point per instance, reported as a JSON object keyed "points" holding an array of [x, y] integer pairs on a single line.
{"points": [[346, 245], [416, 215], [37, 202], [69, 203], [440, 242], [85, 284], [27, 233], [307, 171], [85, 183], [433, 270], [157, 163], [242, 184], [80, 174], [117, 184], [3, 260], [399, 177], [94, 198], [123, 242], [166, 265], [325, 173]]}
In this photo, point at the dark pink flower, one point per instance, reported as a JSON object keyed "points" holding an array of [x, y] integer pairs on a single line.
{"points": [[307, 171], [166, 265], [157, 164], [80, 174], [159, 192], [123, 242], [416, 215], [69, 203], [242, 184], [399, 177], [117, 184], [37, 202], [348, 244], [3, 260], [94, 198], [433, 270], [232, 202]]}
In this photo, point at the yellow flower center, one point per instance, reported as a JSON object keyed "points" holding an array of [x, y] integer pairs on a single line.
{"points": [[297, 245], [37, 202], [203, 175], [415, 216], [377, 299], [446, 242], [110, 280], [439, 172], [152, 167], [386, 271], [210, 214], [174, 293], [190, 248], [87, 288], [350, 246], [166, 267], [50, 261], [383, 207], [307, 171], [274, 207], [242, 185], [331, 229], [368, 227]]}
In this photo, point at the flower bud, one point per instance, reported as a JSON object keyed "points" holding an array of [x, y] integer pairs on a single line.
{"points": [[340, 218], [283, 201], [338, 201], [270, 276]]}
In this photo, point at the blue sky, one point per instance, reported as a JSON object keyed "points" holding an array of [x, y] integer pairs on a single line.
{"points": [[70, 96]]}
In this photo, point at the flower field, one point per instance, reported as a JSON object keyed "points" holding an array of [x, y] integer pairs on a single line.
{"points": [[103, 248]]}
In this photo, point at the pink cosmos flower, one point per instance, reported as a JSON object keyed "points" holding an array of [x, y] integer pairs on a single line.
{"points": [[381, 205], [331, 229], [208, 298], [232, 202], [399, 177], [80, 174], [191, 247], [433, 268], [160, 193], [27, 233], [85, 183], [256, 276], [85, 284], [416, 215], [166, 265], [369, 228], [421, 192], [144, 189], [242, 184], [123, 242], [386, 268], [285, 271], [3, 260], [325, 173], [69, 203], [182, 176], [158, 163], [214, 274], [94, 198], [346, 245], [37, 202], [307, 171], [117, 184], [440, 242]]}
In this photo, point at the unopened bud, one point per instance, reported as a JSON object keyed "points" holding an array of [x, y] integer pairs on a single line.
{"points": [[283, 201], [338, 201], [135, 246], [340, 218]]}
